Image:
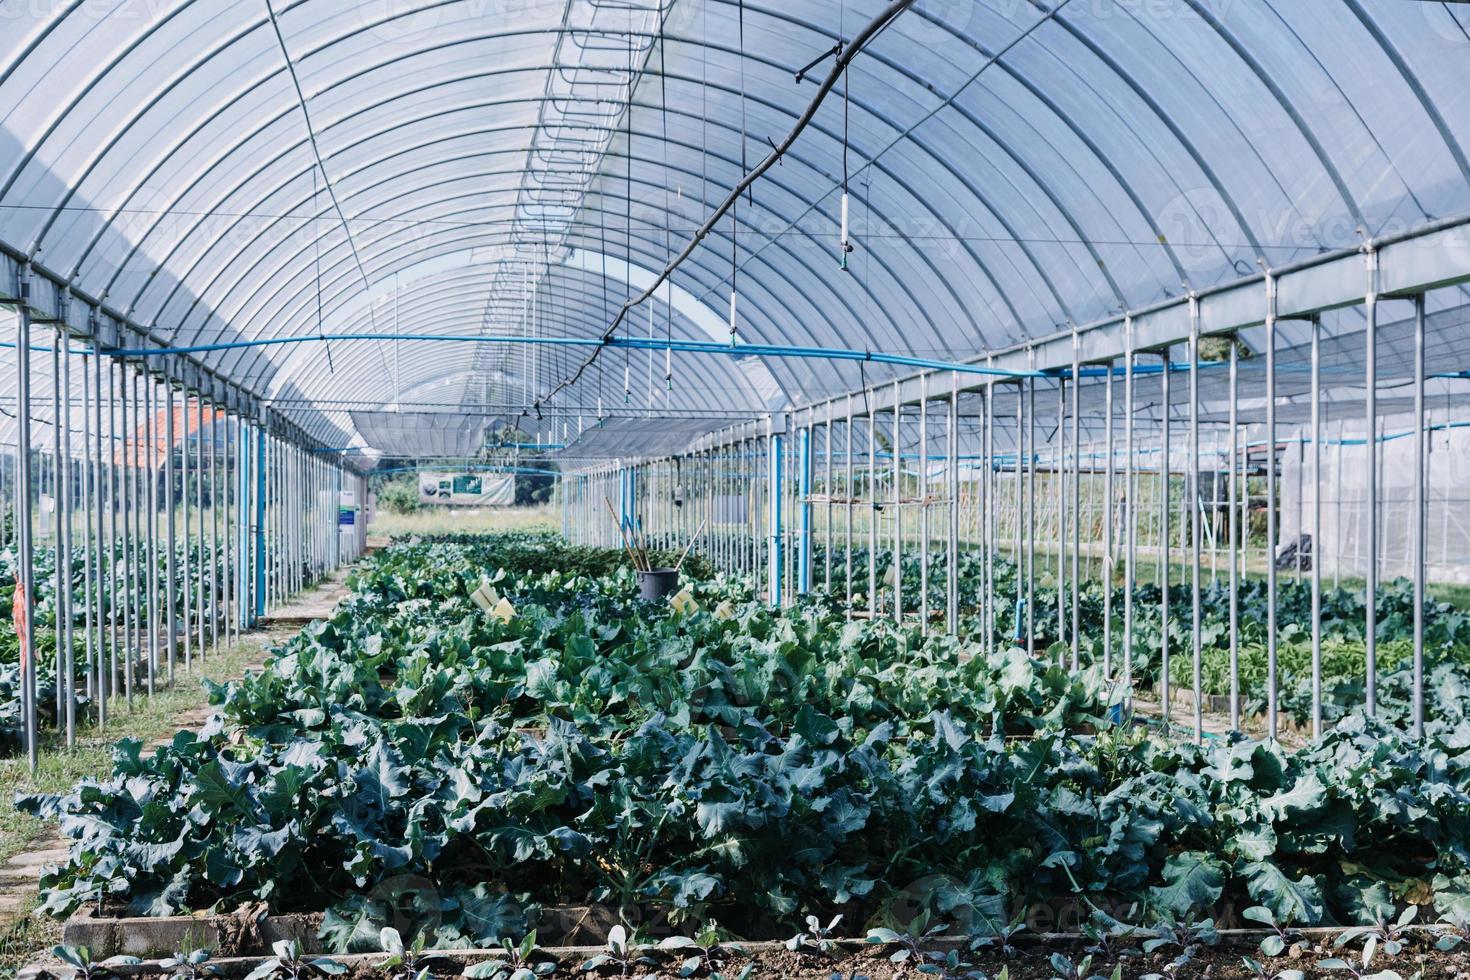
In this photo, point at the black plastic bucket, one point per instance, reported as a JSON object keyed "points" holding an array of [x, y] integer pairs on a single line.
{"points": [[658, 583]]}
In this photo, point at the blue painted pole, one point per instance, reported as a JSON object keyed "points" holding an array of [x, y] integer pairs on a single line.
{"points": [[804, 512], [777, 448], [259, 524]]}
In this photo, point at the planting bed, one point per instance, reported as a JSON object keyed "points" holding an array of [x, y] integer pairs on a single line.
{"points": [[473, 742]]}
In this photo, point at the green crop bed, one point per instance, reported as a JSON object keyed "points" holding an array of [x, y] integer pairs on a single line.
{"points": [[554, 740]]}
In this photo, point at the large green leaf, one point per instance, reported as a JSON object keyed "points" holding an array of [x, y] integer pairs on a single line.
{"points": [[1192, 881]]}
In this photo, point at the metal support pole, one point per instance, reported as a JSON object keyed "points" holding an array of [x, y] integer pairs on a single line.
{"points": [[149, 500], [171, 528], [1421, 516], [1192, 481], [897, 564], [130, 552], [775, 491], [65, 618], [1234, 527], [1370, 474], [91, 545], [1165, 465], [1316, 527], [923, 495], [1105, 574], [850, 494], [952, 482], [873, 506], [258, 609], [987, 517], [827, 489], [804, 511], [60, 571], [188, 544], [1059, 477], [1271, 693], [24, 517], [1130, 491], [1030, 530], [1076, 576]]}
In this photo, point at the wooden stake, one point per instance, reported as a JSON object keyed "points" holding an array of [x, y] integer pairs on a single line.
{"points": [[690, 545], [623, 533]]}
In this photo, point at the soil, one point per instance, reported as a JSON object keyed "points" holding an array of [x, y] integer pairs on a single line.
{"points": [[1033, 962]]}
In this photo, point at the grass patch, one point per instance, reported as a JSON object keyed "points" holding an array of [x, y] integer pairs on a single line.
{"points": [[467, 520], [149, 719], [26, 939]]}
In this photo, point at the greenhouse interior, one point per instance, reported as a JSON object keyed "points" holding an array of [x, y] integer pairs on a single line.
{"points": [[735, 490]]}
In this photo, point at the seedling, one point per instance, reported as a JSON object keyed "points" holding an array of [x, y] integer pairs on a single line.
{"points": [[522, 961], [1065, 969], [288, 963], [1362, 968], [816, 938], [1284, 937], [908, 941], [1263, 972], [1000, 939], [1188, 938], [701, 954], [1457, 931], [405, 962], [1111, 939], [189, 964], [80, 966], [1390, 934], [620, 953]]}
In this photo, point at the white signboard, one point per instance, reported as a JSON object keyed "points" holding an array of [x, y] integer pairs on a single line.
{"points": [[467, 489]]}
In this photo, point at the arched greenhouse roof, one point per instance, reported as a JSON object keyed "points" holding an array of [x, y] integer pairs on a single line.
{"points": [[225, 175]]}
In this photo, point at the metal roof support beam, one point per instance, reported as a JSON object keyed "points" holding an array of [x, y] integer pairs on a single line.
{"points": [[1434, 256], [53, 300]]}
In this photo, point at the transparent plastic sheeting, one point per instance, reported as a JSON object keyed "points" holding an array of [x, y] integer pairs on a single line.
{"points": [[1013, 168], [623, 438], [1341, 544], [408, 434]]}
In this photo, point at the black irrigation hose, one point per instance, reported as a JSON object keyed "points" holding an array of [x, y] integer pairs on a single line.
{"points": [[839, 65]]}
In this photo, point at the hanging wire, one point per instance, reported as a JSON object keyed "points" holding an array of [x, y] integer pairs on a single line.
{"points": [[316, 241], [843, 244], [663, 99], [628, 206], [735, 205], [860, 40]]}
